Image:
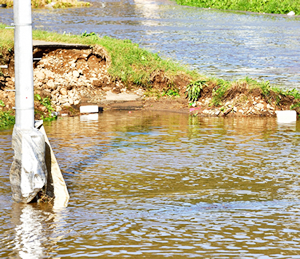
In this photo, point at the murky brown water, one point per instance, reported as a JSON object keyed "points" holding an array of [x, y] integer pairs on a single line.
{"points": [[216, 43], [155, 185]]}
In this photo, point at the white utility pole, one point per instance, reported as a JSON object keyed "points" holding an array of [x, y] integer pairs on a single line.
{"points": [[28, 173], [34, 170], [23, 64]]}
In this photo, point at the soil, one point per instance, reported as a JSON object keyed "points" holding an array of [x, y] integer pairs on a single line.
{"points": [[73, 77]]}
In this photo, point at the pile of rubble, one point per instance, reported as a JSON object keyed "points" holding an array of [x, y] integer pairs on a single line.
{"points": [[67, 76]]}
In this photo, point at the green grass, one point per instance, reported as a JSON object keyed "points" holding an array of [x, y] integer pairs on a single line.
{"points": [[260, 6], [6, 38], [56, 3]]}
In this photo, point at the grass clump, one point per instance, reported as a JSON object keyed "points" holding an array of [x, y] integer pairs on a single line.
{"points": [[193, 90], [219, 92], [260, 6], [53, 3]]}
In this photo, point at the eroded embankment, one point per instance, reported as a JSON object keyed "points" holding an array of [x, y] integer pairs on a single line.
{"points": [[70, 77]]}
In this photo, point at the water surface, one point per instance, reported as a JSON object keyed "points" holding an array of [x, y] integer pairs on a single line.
{"points": [[155, 185]]}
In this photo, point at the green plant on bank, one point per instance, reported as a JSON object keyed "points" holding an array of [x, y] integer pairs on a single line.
{"points": [[217, 94], [47, 103], [193, 90], [150, 92], [91, 34], [260, 6], [171, 92], [265, 88], [6, 118]]}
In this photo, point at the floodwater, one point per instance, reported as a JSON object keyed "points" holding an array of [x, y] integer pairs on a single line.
{"points": [[229, 45], [155, 185]]}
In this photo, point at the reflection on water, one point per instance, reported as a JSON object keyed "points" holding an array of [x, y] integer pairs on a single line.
{"points": [[160, 185], [33, 232], [223, 44], [36, 231]]}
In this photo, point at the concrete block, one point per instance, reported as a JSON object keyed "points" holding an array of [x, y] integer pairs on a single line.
{"points": [[286, 116], [89, 109]]}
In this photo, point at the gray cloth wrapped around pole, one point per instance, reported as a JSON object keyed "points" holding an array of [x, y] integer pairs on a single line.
{"points": [[28, 173]]}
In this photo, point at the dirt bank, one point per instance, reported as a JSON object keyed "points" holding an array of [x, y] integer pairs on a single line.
{"points": [[71, 77]]}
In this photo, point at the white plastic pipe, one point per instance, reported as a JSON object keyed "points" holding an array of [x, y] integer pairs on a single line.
{"points": [[24, 103]]}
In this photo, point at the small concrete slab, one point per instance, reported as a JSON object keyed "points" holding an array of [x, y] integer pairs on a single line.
{"points": [[129, 106], [110, 96]]}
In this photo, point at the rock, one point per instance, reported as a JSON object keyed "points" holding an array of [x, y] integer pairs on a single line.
{"points": [[48, 73], [47, 93], [96, 83], [291, 13], [50, 84], [58, 108], [63, 99], [39, 75], [76, 102], [54, 92], [227, 111], [76, 74], [63, 91], [38, 84], [260, 106]]}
